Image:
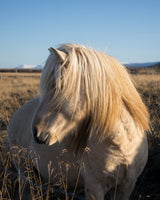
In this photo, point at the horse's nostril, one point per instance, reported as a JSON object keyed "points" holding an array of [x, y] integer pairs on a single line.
{"points": [[36, 138], [35, 132]]}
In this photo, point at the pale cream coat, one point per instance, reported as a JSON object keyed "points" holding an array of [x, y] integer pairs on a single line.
{"points": [[124, 156], [89, 118]]}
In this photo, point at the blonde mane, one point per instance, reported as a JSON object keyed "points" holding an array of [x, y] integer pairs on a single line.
{"points": [[100, 79]]}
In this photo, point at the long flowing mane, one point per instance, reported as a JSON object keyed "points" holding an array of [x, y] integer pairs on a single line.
{"points": [[100, 79]]}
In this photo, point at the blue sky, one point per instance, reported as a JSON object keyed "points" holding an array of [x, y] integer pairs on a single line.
{"points": [[126, 29]]}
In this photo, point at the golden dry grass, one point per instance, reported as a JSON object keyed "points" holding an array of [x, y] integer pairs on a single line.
{"points": [[147, 82], [17, 89]]}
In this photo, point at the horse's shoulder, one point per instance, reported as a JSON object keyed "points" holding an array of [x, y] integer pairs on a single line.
{"points": [[21, 119]]}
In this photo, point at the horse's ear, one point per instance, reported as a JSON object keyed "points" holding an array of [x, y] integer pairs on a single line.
{"points": [[59, 54]]}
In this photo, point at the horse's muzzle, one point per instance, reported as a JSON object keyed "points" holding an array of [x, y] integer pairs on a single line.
{"points": [[40, 138]]}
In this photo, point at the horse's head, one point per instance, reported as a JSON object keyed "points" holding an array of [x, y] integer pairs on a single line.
{"points": [[62, 107], [83, 91]]}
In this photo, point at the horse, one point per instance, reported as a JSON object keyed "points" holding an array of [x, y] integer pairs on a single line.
{"points": [[89, 117]]}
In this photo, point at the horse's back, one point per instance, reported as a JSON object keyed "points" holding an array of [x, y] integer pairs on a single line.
{"points": [[20, 123]]}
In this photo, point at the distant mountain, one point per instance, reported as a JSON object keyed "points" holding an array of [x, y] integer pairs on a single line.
{"points": [[38, 66], [24, 66], [147, 64]]}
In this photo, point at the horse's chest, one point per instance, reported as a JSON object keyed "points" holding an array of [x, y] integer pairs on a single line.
{"points": [[55, 164]]}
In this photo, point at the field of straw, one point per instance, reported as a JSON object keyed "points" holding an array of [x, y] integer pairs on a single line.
{"points": [[17, 89]]}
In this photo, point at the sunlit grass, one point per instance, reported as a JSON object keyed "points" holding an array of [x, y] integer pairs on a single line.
{"points": [[17, 89]]}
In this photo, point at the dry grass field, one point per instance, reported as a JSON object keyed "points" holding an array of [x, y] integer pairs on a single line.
{"points": [[16, 89]]}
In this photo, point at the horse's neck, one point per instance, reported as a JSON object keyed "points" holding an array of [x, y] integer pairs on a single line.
{"points": [[124, 137]]}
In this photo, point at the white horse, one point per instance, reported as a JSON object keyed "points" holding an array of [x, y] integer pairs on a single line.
{"points": [[88, 117]]}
